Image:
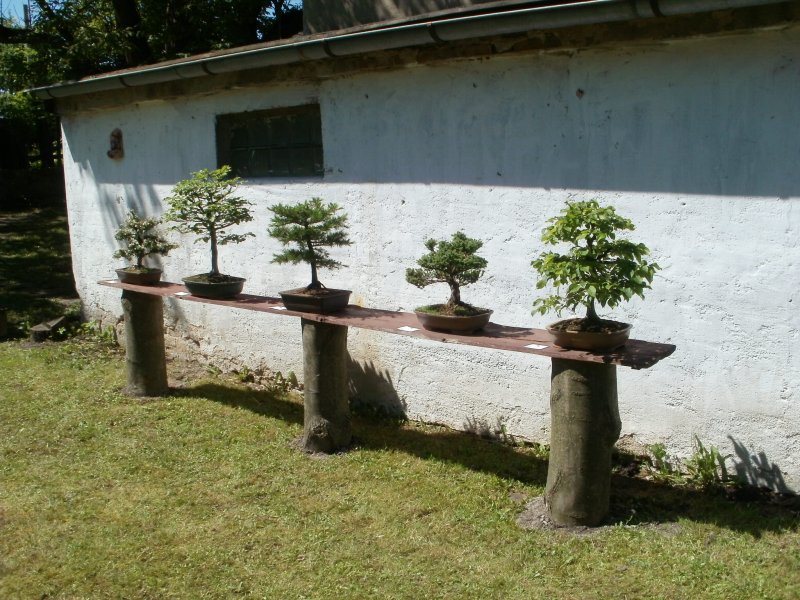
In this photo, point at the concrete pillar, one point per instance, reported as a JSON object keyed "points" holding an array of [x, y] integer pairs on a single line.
{"points": [[326, 420], [144, 344], [585, 426]]}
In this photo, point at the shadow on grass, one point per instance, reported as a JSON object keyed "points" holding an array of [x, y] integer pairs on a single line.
{"points": [[262, 402], [634, 500], [36, 265], [379, 434]]}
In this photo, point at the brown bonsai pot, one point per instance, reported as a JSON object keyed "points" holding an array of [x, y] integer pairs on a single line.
{"points": [[321, 301], [139, 276], [569, 333], [453, 323], [217, 287]]}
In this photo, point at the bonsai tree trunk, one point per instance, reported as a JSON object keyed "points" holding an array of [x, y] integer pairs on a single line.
{"points": [[315, 284], [585, 426], [591, 313], [455, 294], [214, 253], [145, 357], [326, 421]]}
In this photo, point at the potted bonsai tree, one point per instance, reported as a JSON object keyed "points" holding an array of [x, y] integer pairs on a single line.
{"points": [[307, 229], [454, 263], [206, 206], [597, 269], [140, 240]]}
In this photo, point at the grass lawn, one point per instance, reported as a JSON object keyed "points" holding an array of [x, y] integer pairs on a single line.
{"points": [[200, 495], [35, 266]]}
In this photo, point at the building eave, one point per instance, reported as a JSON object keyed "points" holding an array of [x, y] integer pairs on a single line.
{"points": [[396, 36]]}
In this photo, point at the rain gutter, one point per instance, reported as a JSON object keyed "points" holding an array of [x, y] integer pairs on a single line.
{"points": [[390, 38]]}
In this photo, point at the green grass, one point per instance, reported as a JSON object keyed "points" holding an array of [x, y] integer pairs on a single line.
{"points": [[35, 266], [200, 495]]}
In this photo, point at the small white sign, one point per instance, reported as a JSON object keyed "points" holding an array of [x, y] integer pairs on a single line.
{"points": [[407, 328], [182, 294], [536, 346], [278, 307], [112, 280]]}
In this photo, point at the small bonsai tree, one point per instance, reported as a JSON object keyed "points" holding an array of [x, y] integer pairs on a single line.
{"points": [[205, 205], [454, 263], [310, 227], [598, 268], [141, 240]]}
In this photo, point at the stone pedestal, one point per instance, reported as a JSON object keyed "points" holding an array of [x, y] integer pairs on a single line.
{"points": [[326, 421], [585, 426], [144, 344]]}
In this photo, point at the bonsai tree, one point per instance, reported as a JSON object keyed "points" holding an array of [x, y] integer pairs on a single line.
{"points": [[206, 206], [308, 229], [598, 268], [141, 240], [454, 263]]}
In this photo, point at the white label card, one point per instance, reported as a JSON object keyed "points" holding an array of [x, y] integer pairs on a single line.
{"points": [[536, 346], [407, 328], [182, 294], [278, 307]]}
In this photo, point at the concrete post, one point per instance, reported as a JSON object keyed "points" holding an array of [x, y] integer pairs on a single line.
{"points": [[145, 356], [585, 426], [326, 420]]}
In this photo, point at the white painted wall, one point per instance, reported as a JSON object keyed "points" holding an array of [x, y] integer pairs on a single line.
{"points": [[696, 141]]}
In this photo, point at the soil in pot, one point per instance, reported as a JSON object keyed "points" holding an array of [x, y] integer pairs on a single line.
{"points": [[315, 300], [463, 318], [595, 336], [218, 286], [139, 275]]}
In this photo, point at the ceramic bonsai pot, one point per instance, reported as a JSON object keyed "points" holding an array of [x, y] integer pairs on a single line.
{"points": [[139, 276], [593, 341], [454, 323], [322, 301], [225, 288]]}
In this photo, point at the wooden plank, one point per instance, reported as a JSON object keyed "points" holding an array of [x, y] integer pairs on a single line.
{"points": [[637, 354]]}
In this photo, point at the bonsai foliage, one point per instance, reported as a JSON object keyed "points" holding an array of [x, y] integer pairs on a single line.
{"points": [[598, 268], [140, 239], [454, 263], [205, 205], [309, 228]]}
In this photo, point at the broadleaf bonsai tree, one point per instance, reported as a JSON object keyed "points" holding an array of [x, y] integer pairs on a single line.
{"points": [[455, 263], [206, 205], [140, 239], [598, 268], [308, 229]]}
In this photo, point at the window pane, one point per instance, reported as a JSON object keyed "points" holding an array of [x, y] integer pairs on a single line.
{"points": [[285, 142]]}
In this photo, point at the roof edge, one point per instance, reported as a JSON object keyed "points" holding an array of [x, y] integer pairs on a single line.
{"points": [[343, 44]]}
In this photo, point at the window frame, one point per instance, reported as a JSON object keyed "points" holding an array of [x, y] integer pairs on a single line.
{"points": [[227, 123]]}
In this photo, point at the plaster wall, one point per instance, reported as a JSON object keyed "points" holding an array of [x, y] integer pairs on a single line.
{"points": [[695, 141]]}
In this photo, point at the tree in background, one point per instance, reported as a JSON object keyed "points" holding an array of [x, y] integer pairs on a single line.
{"points": [[70, 39]]}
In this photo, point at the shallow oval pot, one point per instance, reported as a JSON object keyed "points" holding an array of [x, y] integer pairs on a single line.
{"points": [[222, 290], [452, 323], [590, 340], [148, 277], [322, 302]]}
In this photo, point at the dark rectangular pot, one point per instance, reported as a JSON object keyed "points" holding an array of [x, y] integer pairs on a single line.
{"points": [[323, 302]]}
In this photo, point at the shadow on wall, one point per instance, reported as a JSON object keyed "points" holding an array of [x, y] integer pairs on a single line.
{"points": [[757, 469], [708, 117], [116, 201], [372, 391]]}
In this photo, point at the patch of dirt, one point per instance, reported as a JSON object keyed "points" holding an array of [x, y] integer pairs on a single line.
{"points": [[537, 517]]}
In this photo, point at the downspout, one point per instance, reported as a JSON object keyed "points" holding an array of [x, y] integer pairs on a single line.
{"points": [[419, 34]]}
